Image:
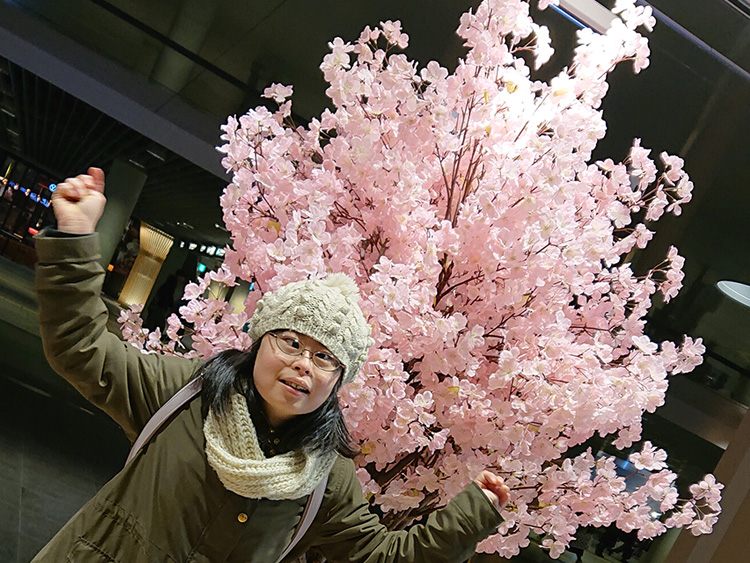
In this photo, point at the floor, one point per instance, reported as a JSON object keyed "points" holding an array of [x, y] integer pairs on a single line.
{"points": [[55, 451], [53, 457]]}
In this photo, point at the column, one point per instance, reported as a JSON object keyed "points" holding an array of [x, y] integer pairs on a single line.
{"points": [[124, 182], [728, 541]]}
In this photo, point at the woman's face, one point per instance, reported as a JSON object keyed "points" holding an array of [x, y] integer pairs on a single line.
{"points": [[291, 385]]}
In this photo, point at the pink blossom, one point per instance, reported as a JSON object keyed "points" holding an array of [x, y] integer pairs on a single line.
{"points": [[707, 486], [651, 530], [703, 525], [643, 235], [224, 276], [669, 501], [491, 252], [433, 72], [278, 92], [193, 291], [393, 34], [690, 355], [635, 15], [649, 458], [543, 50], [681, 518]]}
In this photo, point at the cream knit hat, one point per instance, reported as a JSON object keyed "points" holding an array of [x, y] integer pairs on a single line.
{"points": [[324, 309]]}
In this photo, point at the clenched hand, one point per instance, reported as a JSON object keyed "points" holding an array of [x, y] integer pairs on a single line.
{"points": [[79, 202], [494, 487]]}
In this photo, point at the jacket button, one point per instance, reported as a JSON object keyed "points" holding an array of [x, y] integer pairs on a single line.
{"points": [[242, 518]]}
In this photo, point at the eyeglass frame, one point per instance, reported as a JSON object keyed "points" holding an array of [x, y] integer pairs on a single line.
{"points": [[277, 334]]}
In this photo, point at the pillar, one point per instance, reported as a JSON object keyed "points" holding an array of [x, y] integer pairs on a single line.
{"points": [[124, 182], [728, 541], [154, 248]]}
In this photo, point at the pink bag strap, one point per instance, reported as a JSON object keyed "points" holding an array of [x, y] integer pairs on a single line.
{"points": [[167, 409], [311, 509], [182, 397]]}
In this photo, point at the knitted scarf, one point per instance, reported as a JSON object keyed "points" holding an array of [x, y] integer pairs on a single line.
{"points": [[234, 453]]}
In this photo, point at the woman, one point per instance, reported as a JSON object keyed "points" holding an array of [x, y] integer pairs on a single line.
{"points": [[227, 478]]}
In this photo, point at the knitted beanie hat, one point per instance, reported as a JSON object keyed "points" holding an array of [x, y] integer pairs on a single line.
{"points": [[324, 309]]}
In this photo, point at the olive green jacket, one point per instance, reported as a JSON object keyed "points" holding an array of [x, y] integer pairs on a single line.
{"points": [[168, 504]]}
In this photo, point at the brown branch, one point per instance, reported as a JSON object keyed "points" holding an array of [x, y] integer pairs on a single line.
{"points": [[382, 479], [456, 285], [445, 274]]}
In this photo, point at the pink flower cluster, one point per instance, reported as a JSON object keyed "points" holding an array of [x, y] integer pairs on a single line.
{"points": [[492, 258]]}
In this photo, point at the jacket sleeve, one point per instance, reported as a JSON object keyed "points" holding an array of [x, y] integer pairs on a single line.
{"points": [[113, 375], [349, 532]]}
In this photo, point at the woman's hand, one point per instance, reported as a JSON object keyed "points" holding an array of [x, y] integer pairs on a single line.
{"points": [[79, 202], [494, 487]]}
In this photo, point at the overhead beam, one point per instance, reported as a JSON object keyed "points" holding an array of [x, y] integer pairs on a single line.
{"points": [[149, 108]]}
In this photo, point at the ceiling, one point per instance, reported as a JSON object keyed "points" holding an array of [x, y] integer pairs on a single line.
{"points": [[215, 56], [190, 63], [61, 135]]}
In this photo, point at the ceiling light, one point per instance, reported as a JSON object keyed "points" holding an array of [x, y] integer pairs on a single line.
{"points": [[740, 292], [8, 112], [157, 153], [742, 6]]}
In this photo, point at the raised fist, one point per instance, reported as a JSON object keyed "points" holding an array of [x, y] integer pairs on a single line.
{"points": [[79, 202], [494, 487]]}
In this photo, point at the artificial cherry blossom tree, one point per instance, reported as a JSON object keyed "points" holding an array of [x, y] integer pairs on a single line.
{"points": [[493, 260]]}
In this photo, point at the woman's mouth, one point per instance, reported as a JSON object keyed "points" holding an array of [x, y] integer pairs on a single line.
{"points": [[296, 386]]}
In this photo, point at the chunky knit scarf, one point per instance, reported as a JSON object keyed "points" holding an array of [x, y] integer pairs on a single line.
{"points": [[233, 451]]}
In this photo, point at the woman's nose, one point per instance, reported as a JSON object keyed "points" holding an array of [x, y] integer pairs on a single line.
{"points": [[304, 361]]}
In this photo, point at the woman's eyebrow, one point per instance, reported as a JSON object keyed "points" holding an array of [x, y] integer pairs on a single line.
{"points": [[297, 335]]}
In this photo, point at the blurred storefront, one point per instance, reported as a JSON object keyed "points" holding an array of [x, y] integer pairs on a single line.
{"points": [[25, 207]]}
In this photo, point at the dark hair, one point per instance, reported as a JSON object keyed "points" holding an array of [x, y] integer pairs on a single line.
{"points": [[321, 431]]}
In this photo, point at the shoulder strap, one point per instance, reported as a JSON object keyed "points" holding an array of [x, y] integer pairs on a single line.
{"points": [[182, 397], [311, 509], [165, 411]]}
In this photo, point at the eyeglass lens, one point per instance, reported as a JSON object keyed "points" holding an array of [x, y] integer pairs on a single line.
{"points": [[290, 344]]}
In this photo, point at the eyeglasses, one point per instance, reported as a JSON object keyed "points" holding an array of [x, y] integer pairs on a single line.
{"points": [[289, 344]]}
